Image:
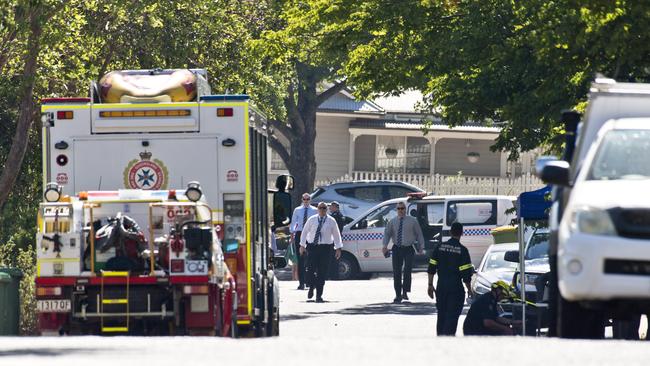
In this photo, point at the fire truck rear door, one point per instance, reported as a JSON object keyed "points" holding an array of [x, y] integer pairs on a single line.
{"points": [[146, 162]]}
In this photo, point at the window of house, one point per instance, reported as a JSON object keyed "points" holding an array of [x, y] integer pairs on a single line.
{"points": [[398, 154], [418, 155], [391, 153]]}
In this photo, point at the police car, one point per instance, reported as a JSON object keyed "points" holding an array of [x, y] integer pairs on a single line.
{"points": [[362, 238]]}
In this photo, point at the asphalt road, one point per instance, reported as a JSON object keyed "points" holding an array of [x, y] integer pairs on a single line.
{"points": [[358, 325]]}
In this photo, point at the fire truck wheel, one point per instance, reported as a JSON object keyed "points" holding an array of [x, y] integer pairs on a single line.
{"points": [[234, 331], [276, 322]]}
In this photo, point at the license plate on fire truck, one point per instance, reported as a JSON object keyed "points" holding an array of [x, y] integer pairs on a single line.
{"points": [[53, 306]]}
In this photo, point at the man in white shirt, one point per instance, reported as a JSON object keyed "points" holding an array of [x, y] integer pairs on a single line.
{"points": [[298, 220], [322, 235]]}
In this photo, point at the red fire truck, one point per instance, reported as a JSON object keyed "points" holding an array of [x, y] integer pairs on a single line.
{"points": [[119, 249]]}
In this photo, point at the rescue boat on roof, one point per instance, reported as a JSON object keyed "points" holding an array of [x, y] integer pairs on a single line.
{"points": [[161, 86]]}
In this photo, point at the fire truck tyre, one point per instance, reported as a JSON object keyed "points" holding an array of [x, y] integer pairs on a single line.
{"points": [[273, 326], [577, 322], [234, 332], [348, 267]]}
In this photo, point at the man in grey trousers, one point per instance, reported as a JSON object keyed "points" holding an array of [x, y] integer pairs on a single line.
{"points": [[405, 232]]}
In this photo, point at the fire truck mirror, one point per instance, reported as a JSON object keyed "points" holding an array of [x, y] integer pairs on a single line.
{"points": [[281, 209], [284, 183]]}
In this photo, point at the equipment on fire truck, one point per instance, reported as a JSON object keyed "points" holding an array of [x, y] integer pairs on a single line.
{"points": [[122, 235]]}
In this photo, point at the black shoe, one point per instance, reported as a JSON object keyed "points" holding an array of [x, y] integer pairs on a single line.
{"points": [[405, 296], [319, 299], [397, 300], [301, 287], [310, 294]]}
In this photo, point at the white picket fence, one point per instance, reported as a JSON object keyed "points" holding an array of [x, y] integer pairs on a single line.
{"points": [[451, 184]]}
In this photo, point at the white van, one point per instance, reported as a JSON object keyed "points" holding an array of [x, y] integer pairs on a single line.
{"points": [[362, 238]]}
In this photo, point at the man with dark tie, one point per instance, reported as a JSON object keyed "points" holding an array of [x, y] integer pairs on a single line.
{"points": [[322, 235], [298, 220], [405, 232]]}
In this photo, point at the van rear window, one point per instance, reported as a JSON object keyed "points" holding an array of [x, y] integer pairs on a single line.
{"points": [[472, 213]]}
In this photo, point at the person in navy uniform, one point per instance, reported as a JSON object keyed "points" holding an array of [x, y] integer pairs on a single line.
{"points": [[451, 261], [321, 235], [298, 220], [483, 317]]}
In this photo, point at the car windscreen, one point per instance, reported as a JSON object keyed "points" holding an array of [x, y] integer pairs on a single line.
{"points": [[495, 261], [537, 246], [622, 154], [381, 216]]}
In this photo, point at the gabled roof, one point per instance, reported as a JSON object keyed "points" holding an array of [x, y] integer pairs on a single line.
{"points": [[345, 102]]}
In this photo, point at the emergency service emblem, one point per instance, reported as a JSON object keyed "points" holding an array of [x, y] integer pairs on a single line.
{"points": [[146, 173]]}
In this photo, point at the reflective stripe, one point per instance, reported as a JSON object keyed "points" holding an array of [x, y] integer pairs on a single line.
{"points": [[465, 266], [433, 261]]}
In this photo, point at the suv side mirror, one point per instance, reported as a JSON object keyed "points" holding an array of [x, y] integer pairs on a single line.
{"points": [[556, 172], [512, 256], [541, 162]]}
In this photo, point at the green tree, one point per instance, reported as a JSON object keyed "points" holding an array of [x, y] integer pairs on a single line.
{"points": [[514, 63], [302, 74]]}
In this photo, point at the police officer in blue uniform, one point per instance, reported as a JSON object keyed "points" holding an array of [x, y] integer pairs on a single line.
{"points": [[451, 261]]}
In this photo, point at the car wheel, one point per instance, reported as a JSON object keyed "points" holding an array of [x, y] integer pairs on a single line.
{"points": [[348, 267], [576, 321]]}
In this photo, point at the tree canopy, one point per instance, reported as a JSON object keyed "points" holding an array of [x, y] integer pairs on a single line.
{"points": [[512, 63]]}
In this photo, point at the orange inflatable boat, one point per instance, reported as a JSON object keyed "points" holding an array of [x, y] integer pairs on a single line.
{"points": [[163, 86]]}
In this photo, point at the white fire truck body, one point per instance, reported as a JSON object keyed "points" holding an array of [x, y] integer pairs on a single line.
{"points": [[154, 144]]}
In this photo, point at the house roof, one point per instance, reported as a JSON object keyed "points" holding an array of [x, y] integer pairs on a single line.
{"points": [[403, 103], [345, 102], [436, 124]]}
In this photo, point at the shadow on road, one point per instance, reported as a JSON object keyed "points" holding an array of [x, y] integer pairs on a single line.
{"points": [[46, 352], [405, 308]]}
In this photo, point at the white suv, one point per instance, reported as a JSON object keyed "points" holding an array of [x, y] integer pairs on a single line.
{"points": [[604, 235], [357, 197]]}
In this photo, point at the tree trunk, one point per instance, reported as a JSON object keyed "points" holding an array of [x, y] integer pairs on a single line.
{"points": [[302, 103], [302, 161], [26, 111]]}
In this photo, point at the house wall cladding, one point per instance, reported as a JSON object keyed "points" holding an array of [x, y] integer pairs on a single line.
{"points": [[332, 146], [451, 157]]}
